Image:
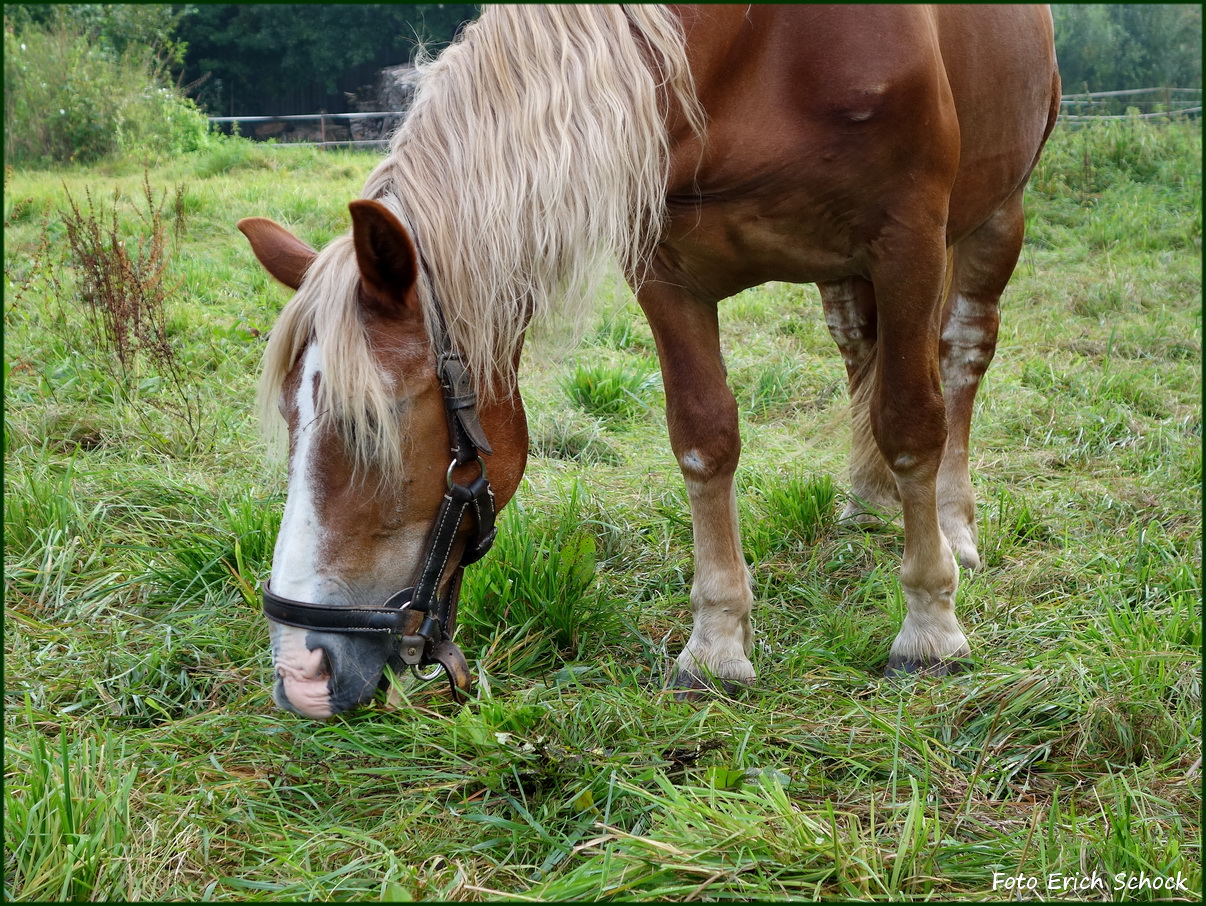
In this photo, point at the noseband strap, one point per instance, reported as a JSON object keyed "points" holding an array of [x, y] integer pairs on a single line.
{"points": [[424, 621], [388, 617]]}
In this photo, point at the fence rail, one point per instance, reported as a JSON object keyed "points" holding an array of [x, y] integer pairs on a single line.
{"points": [[1161, 103], [1074, 108], [1129, 91], [328, 123]]}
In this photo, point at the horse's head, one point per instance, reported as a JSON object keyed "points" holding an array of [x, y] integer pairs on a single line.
{"points": [[353, 368]]}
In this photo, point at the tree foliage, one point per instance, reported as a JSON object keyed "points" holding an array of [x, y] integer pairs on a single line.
{"points": [[1105, 47], [118, 29], [259, 55]]}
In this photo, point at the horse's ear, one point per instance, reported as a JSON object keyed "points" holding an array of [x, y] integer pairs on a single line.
{"points": [[389, 264], [283, 255]]}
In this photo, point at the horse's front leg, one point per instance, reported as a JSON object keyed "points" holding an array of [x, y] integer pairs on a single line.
{"points": [[702, 418]]}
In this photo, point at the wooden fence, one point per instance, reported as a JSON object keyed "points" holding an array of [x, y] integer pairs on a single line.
{"points": [[370, 130]]}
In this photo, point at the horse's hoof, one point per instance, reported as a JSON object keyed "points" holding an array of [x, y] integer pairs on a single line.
{"points": [[900, 667], [690, 685], [965, 550]]}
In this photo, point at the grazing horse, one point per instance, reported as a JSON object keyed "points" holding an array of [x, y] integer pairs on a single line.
{"points": [[878, 151]]}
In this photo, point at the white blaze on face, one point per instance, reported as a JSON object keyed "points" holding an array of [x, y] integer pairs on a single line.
{"points": [[295, 561]]}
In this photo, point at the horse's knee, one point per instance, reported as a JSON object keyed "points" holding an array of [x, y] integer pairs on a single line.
{"points": [[706, 440], [910, 431]]}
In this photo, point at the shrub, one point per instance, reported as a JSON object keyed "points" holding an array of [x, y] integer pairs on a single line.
{"points": [[69, 98]]}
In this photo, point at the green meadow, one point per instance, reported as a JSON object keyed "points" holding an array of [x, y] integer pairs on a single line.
{"points": [[144, 759]]}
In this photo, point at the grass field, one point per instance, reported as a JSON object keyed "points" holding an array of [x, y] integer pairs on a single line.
{"points": [[143, 757]]}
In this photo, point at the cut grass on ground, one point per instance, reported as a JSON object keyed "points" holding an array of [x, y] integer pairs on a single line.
{"points": [[145, 761]]}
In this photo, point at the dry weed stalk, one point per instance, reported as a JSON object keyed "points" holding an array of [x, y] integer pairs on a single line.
{"points": [[124, 284]]}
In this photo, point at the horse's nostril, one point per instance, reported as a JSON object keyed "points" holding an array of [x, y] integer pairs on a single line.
{"points": [[318, 667]]}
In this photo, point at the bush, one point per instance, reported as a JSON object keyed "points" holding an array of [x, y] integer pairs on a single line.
{"points": [[68, 97]]}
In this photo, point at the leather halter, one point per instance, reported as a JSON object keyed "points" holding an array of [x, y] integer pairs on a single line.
{"points": [[423, 620]]}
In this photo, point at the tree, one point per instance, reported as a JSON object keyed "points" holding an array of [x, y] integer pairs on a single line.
{"points": [[263, 55], [1106, 47], [118, 28]]}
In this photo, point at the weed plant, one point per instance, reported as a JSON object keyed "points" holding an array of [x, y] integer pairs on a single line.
{"points": [[145, 761], [122, 279]]}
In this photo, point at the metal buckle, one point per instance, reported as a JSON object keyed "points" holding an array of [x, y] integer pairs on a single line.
{"points": [[436, 670], [481, 464]]}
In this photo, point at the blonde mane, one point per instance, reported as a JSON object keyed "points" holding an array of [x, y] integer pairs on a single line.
{"points": [[535, 155]]}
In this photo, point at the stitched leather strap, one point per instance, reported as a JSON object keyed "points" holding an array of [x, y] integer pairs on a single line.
{"points": [[387, 617]]}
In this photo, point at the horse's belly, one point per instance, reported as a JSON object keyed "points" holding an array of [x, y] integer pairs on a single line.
{"points": [[716, 249]]}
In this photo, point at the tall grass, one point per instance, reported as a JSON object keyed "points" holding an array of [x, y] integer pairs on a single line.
{"points": [[67, 817], [614, 392], [143, 757], [535, 600]]}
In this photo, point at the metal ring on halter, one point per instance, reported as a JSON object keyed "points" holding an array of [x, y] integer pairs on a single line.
{"points": [[481, 464], [436, 670]]}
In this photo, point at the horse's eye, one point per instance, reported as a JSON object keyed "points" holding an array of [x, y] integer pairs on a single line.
{"points": [[359, 431]]}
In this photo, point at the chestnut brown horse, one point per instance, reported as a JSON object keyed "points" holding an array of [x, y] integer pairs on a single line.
{"points": [[880, 152]]}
